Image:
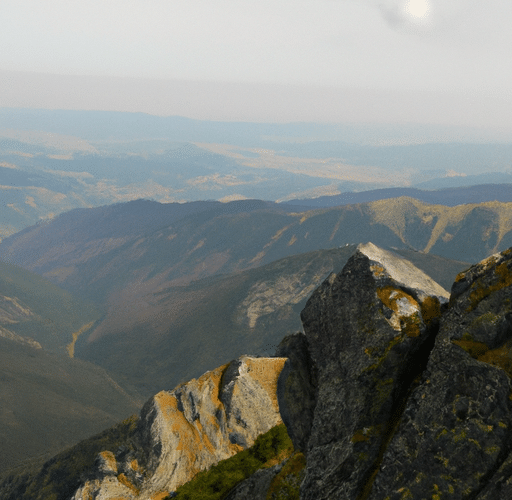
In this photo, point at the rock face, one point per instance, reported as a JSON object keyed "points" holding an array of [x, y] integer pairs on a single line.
{"points": [[396, 390], [296, 389], [413, 393], [256, 486], [368, 329], [186, 430], [455, 438]]}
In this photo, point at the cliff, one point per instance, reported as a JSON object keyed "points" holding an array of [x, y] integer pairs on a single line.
{"points": [[177, 434], [395, 390], [413, 392]]}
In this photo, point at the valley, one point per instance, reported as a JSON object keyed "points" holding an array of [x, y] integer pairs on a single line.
{"points": [[119, 281], [54, 161], [271, 425]]}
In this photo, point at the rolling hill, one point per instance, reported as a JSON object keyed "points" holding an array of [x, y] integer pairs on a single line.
{"points": [[93, 253], [449, 197]]}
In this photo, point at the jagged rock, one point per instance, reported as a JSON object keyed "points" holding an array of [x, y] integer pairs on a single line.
{"points": [[393, 393], [109, 488], [184, 431], [106, 463], [255, 487], [369, 331], [455, 436], [296, 389]]}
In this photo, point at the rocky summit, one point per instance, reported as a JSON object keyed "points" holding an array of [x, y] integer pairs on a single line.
{"points": [[395, 390], [413, 396], [369, 330]]}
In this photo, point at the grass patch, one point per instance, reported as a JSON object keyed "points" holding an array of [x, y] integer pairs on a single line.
{"points": [[215, 483], [60, 477]]}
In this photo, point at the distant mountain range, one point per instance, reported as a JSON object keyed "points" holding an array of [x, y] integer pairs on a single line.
{"points": [[448, 196], [89, 251], [175, 281], [54, 161]]}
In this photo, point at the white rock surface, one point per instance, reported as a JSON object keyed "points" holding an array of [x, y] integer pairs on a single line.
{"points": [[192, 428], [403, 272]]}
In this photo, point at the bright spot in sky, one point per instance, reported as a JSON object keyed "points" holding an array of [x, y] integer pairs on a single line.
{"points": [[417, 8]]}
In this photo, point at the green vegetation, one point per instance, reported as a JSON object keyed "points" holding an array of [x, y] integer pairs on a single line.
{"points": [[213, 484], [285, 486], [60, 477]]}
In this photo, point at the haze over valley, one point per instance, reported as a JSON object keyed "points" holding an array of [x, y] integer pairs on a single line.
{"points": [[255, 250]]}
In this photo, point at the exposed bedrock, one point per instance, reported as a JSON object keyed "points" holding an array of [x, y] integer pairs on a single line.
{"points": [[296, 389], [184, 431], [454, 439], [370, 330]]}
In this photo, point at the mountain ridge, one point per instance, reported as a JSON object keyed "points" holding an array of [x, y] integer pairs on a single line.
{"points": [[393, 376], [241, 236]]}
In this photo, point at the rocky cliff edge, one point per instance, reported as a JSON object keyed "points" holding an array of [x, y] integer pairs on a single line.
{"points": [[184, 431], [396, 390]]}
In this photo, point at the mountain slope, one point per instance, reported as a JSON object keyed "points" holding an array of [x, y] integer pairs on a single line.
{"points": [[50, 401], [160, 338], [86, 254], [397, 389], [34, 309]]}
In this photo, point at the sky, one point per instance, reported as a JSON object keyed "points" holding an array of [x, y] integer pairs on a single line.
{"points": [[417, 61]]}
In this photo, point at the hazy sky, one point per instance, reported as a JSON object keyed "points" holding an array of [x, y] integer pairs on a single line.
{"points": [[338, 60]]}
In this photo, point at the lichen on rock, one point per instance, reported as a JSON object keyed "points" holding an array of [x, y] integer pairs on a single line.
{"points": [[369, 341], [184, 431], [457, 422]]}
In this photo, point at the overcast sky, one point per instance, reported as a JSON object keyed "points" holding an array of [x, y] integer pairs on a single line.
{"points": [[336, 60]]}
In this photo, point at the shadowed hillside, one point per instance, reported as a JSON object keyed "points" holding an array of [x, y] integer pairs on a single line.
{"points": [[34, 310], [161, 338], [50, 401], [84, 251]]}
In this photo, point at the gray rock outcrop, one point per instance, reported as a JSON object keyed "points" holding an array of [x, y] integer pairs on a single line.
{"points": [[255, 486], [369, 331], [296, 389], [455, 438], [184, 431]]}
